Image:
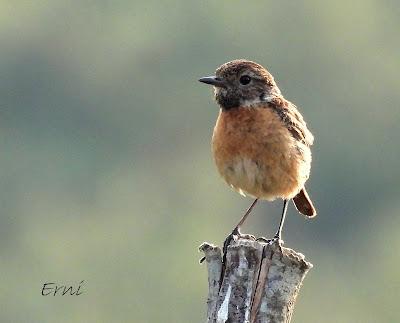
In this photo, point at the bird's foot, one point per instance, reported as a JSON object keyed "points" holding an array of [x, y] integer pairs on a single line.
{"points": [[270, 241], [277, 239], [263, 239], [235, 234]]}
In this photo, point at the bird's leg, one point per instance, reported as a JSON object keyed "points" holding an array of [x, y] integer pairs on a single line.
{"points": [[236, 230], [278, 234]]}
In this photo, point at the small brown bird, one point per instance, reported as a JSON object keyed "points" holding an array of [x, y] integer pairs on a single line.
{"points": [[261, 144]]}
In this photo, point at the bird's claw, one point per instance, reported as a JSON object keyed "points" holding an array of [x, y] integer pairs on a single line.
{"points": [[277, 240], [263, 239], [233, 236]]}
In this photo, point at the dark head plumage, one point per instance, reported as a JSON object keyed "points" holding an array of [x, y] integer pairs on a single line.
{"points": [[241, 83]]}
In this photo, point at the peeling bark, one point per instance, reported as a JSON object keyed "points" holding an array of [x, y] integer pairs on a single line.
{"points": [[259, 282]]}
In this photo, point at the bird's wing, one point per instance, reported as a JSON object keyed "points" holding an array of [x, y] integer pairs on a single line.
{"points": [[292, 119]]}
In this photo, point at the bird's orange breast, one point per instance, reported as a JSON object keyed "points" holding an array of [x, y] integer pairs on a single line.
{"points": [[256, 154]]}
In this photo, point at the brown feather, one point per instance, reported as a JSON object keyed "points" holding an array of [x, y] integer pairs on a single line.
{"points": [[257, 155], [261, 144], [303, 204], [292, 119]]}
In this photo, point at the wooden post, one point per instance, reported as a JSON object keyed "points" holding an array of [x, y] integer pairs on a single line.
{"points": [[259, 282]]}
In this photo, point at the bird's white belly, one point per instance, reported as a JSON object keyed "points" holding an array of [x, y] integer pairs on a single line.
{"points": [[247, 177], [255, 179]]}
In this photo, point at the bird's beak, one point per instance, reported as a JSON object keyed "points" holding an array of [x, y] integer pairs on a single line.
{"points": [[213, 80]]}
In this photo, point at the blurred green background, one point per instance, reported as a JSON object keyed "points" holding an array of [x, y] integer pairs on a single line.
{"points": [[106, 172]]}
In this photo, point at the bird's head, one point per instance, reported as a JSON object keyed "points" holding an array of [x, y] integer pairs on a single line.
{"points": [[241, 83]]}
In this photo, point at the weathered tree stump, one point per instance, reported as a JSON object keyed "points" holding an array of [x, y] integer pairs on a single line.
{"points": [[258, 283]]}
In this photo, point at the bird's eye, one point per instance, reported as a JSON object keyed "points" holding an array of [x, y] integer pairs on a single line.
{"points": [[244, 79]]}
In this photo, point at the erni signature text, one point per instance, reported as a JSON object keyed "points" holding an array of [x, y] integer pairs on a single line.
{"points": [[55, 289]]}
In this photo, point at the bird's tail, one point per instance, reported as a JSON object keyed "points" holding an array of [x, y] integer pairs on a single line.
{"points": [[303, 204]]}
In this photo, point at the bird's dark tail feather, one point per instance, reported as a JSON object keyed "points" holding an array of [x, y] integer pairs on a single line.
{"points": [[303, 204]]}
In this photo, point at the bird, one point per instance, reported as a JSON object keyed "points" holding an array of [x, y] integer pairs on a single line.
{"points": [[261, 144]]}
